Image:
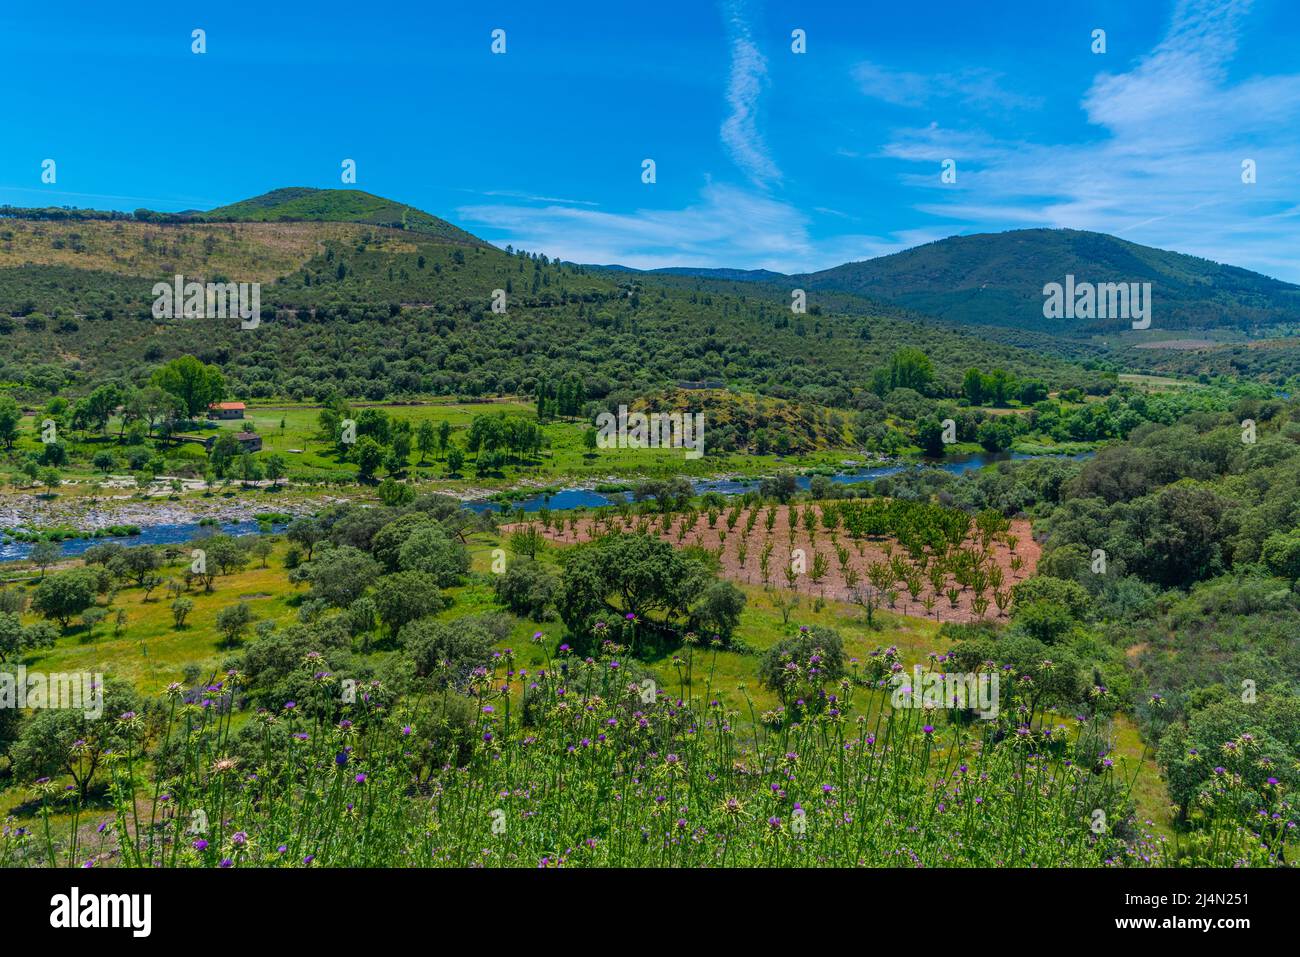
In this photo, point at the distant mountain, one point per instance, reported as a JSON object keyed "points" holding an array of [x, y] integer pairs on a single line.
{"points": [[305, 204], [998, 279]]}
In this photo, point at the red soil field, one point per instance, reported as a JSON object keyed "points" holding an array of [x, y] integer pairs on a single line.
{"points": [[862, 553]]}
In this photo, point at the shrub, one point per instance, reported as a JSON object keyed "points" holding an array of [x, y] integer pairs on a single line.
{"points": [[63, 596], [181, 609], [528, 588], [429, 549], [799, 667], [447, 651]]}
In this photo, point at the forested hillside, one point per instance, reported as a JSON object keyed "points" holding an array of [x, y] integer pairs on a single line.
{"points": [[997, 279], [376, 312]]}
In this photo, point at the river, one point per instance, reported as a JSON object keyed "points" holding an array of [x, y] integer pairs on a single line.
{"points": [[571, 498], [174, 533]]}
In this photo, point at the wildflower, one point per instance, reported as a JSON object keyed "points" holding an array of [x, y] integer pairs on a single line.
{"points": [[732, 807]]}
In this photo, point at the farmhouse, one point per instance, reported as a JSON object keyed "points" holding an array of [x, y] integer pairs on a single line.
{"points": [[248, 441], [226, 410]]}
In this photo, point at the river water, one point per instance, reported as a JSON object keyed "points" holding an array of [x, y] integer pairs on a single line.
{"points": [[564, 500], [166, 534], [571, 498]]}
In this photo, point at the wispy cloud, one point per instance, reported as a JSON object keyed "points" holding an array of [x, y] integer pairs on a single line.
{"points": [[975, 87], [529, 197], [1155, 156], [1162, 163], [727, 226], [744, 88]]}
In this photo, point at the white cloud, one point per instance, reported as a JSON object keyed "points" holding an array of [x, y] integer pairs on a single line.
{"points": [[1159, 164], [529, 197], [976, 87], [726, 227], [1163, 164], [744, 88]]}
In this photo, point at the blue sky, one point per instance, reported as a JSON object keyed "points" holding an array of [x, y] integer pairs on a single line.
{"points": [[764, 157]]}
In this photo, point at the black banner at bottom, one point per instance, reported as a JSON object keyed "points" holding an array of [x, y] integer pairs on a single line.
{"points": [[309, 906]]}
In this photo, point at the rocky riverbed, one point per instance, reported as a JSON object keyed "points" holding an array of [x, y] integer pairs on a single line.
{"points": [[29, 511]]}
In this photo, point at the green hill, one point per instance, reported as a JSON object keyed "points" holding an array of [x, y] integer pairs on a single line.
{"points": [[998, 279], [304, 204], [365, 309]]}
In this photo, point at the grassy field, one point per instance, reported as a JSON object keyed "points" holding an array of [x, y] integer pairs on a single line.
{"points": [[151, 652], [293, 431]]}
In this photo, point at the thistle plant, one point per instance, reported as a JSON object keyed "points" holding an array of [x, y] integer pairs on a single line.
{"points": [[580, 763]]}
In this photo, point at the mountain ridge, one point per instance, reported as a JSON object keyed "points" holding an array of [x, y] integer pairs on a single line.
{"points": [[1007, 270], [978, 279]]}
